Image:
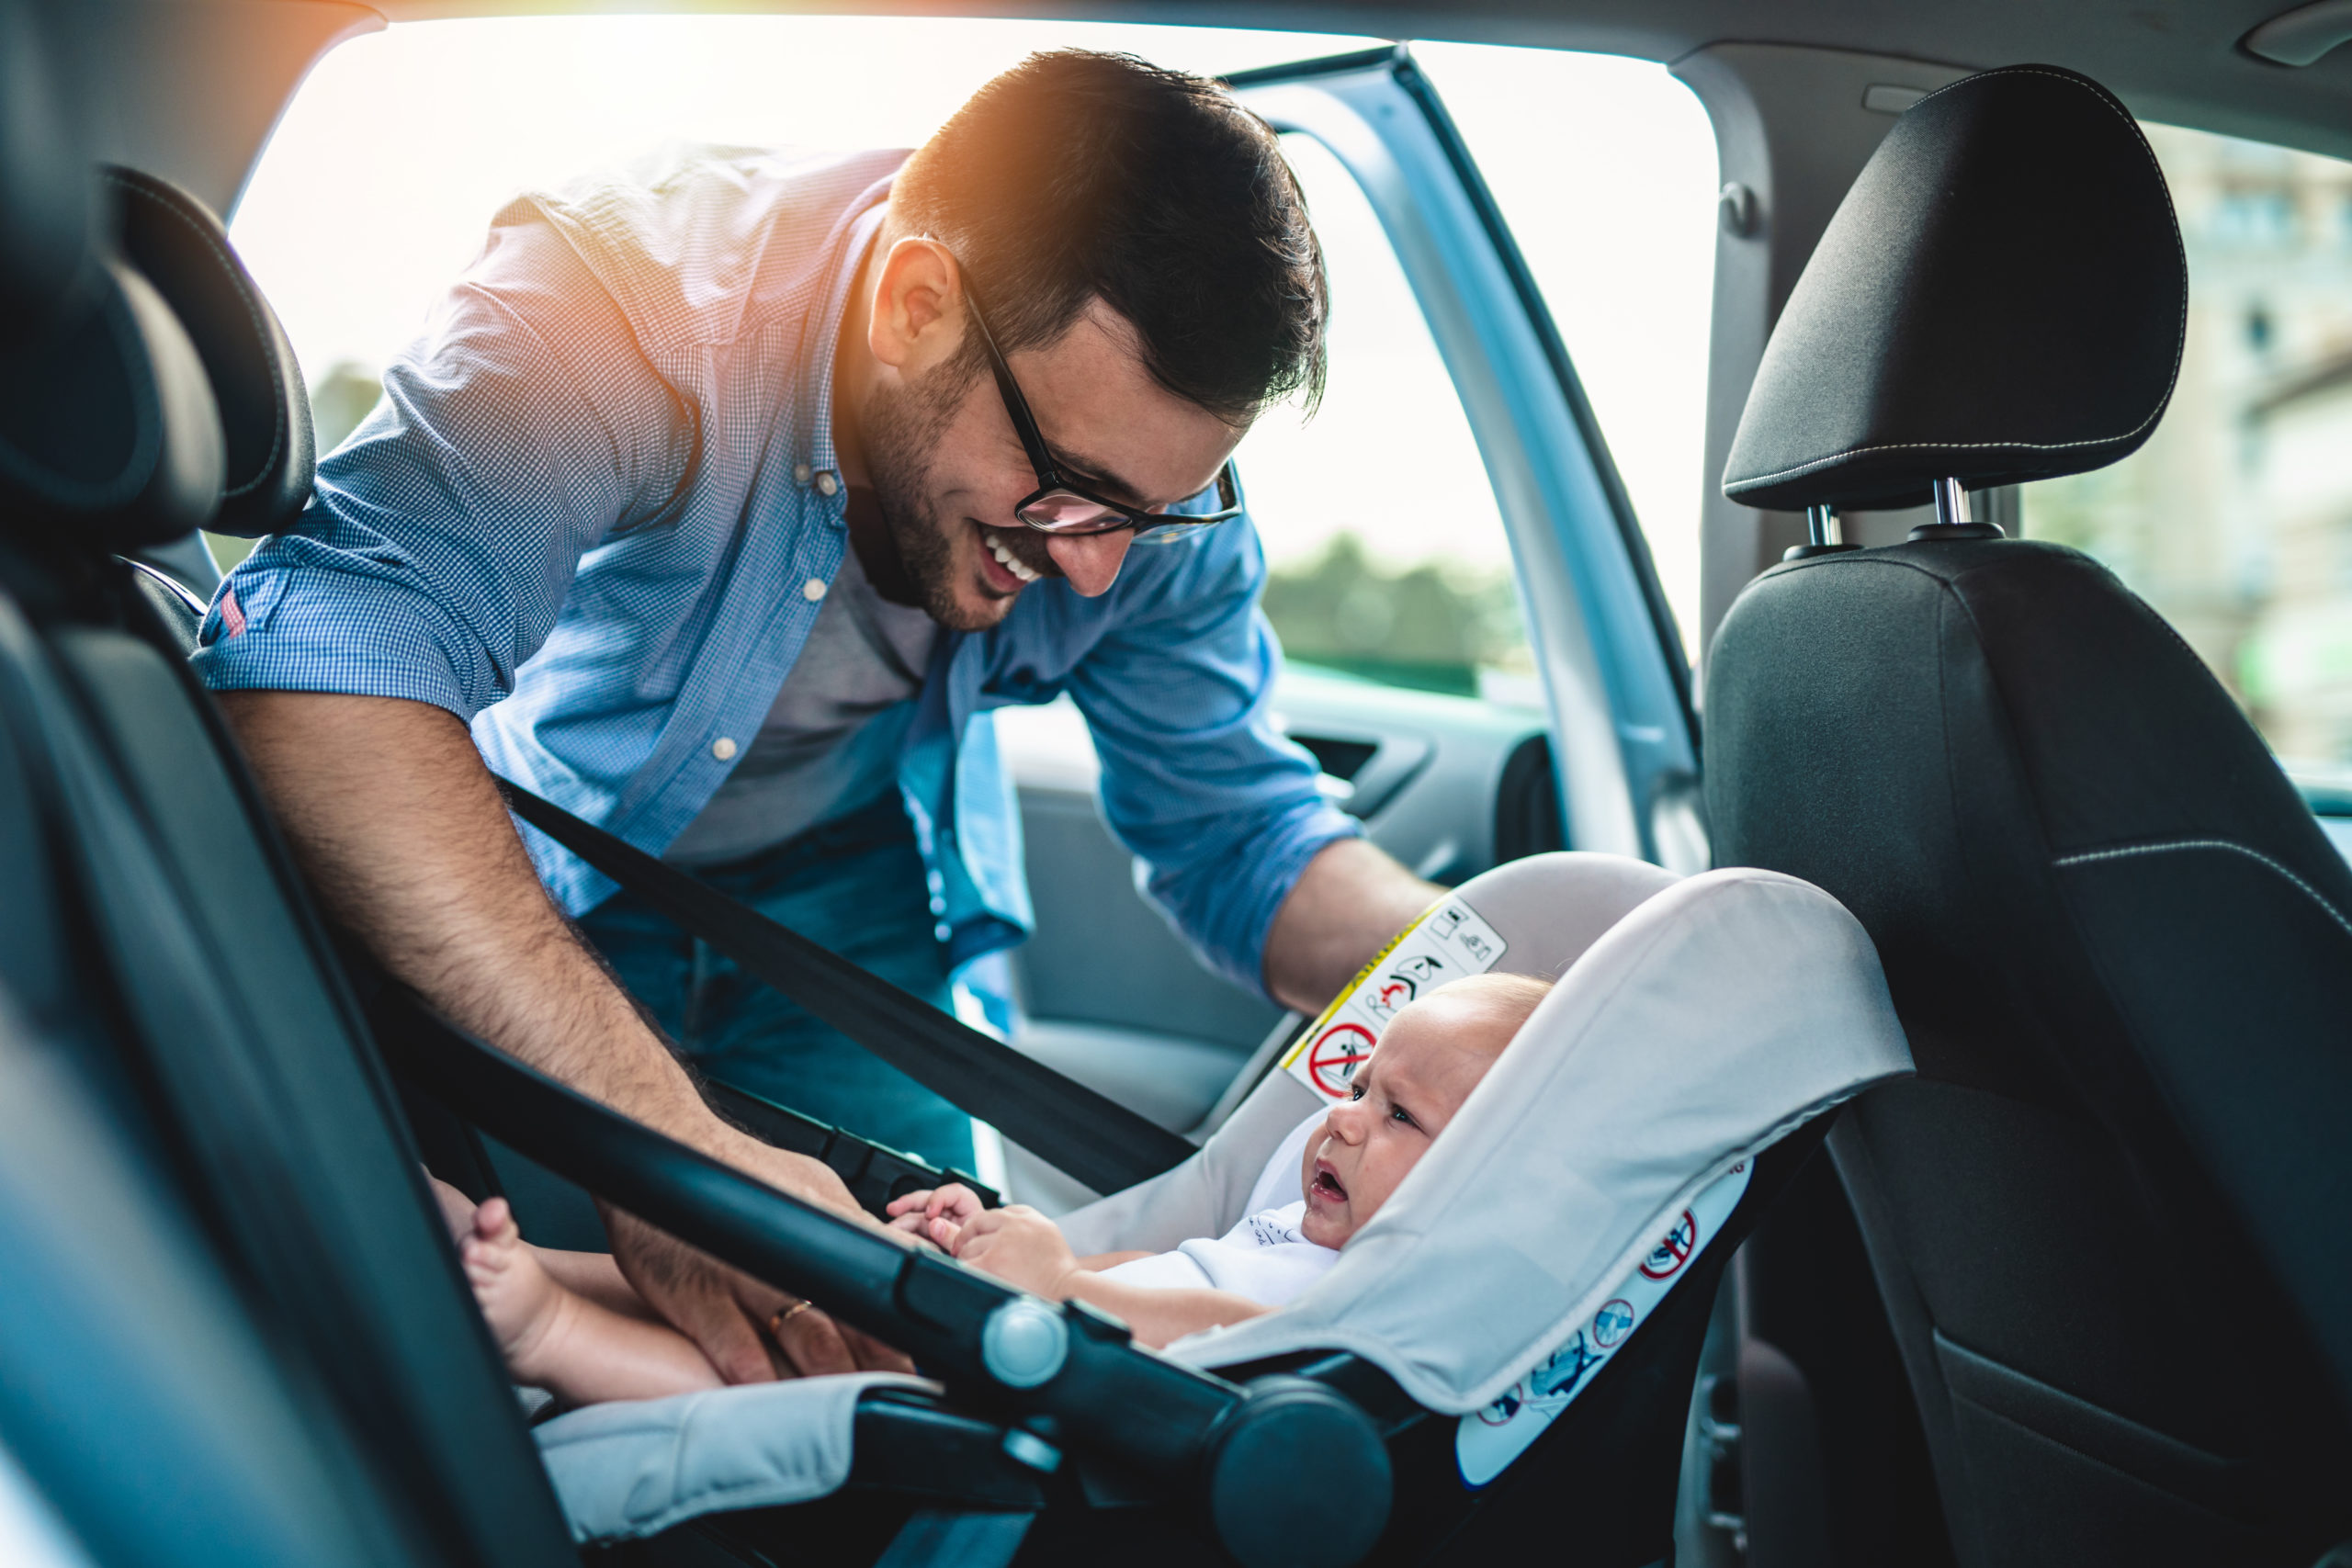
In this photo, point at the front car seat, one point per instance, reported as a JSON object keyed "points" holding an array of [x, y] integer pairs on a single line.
{"points": [[2109, 1215]]}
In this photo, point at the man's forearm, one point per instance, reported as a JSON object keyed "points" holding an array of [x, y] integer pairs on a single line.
{"points": [[395, 816], [1346, 905]]}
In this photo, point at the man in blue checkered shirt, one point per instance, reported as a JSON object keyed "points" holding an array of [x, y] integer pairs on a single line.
{"points": [[718, 503]]}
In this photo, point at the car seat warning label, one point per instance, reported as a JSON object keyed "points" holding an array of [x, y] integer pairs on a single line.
{"points": [[1447, 944]]}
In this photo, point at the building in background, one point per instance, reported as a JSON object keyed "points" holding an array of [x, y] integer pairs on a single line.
{"points": [[2235, 520]]}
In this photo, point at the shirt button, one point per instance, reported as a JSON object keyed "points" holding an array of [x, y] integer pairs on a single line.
{"points": [[813, 590], [942, 930], [829, 483], [723, 747], [800, 472]]}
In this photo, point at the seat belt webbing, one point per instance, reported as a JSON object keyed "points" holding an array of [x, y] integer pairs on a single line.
{"points": [[1093, 1138]]}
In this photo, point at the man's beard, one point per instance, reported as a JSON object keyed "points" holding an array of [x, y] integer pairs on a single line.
{"points": [[901, 428]]}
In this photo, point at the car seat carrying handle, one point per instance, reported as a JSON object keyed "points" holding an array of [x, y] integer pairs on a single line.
{"points": [[1094, 1139], [1170, 1433]]}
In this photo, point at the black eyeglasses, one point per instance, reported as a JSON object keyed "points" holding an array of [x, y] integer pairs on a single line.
{"points": [[1058, 506]]}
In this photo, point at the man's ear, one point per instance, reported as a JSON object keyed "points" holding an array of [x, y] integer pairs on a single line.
{"points": [[918, 317]]}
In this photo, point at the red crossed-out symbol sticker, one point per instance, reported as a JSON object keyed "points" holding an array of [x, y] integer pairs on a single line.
{"points": [[1337, 1051], [1675, 1251]]}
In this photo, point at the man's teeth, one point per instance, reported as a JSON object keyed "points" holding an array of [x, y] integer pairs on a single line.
{"points": [[1006, 558]]}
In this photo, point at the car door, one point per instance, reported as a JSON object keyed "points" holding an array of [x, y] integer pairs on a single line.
{"points": [[1481, 429]]}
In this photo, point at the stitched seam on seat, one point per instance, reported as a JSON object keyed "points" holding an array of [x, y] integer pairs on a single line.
{"points": [[2314, 894], [245, 297], [2180, 333]]}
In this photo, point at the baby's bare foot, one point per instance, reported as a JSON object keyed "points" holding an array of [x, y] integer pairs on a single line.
{"points": [[530, 1315]]}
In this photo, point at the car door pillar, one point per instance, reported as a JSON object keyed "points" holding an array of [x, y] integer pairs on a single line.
{"points": [[1794, 126]]}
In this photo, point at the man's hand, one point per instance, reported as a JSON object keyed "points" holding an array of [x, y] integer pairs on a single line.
{"points": [[1345, 906], [1021, 1246], [725, 1310]]}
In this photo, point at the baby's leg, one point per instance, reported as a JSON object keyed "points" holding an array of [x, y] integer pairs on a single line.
{"points": [[557, 1339], [591, 1274]]}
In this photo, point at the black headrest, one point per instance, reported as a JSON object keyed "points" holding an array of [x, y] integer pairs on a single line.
{"points": [[180, 247], [2001, 297], [106, 424]]}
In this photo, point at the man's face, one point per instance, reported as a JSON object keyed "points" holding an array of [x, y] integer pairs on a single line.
{"points": [[949, 469]]}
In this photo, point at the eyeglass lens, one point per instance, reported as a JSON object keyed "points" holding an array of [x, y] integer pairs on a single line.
{"points": [[1058, 508]]}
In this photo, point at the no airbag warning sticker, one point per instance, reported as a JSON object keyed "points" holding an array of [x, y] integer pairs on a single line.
{"points": [[1447, 944]]}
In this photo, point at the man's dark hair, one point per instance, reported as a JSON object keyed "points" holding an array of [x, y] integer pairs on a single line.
{"points": [[1079, 174]]}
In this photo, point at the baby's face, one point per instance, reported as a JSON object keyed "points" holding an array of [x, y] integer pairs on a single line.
{"points": [[1432, 1057]]}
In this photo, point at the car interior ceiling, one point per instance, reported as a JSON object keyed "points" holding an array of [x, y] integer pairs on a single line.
{"points": [[1919, 1378]]}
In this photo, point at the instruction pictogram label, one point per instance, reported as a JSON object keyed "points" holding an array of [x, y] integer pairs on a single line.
{"points": [[1447, 944]]}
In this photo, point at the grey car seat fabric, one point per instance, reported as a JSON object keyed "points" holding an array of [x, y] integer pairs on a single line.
{"points": [[1695, 1024], [635, 1468], [2120, 945]]}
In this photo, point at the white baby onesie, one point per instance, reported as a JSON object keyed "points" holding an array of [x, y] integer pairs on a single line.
{"points": [[1264, 1258]]}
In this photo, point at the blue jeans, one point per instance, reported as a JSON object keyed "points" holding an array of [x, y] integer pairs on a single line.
{"points": [[855, 885]]}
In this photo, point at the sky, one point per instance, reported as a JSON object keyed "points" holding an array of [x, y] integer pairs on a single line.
{"points": [[377, 185]]}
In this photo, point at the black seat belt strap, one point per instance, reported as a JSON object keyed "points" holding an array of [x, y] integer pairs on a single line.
{"points": [[1094, 1139]]}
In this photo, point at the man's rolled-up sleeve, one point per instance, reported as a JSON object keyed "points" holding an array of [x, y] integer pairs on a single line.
{"points": [[521, 429], [1197, 779]]}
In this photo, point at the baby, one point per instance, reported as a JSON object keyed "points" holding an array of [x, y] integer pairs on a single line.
{"points": [[1433, 1054], [569, 1323]]}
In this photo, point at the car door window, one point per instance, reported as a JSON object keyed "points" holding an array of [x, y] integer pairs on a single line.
{"points": [[1605, 169], [2234, 521], [1388, 558]]}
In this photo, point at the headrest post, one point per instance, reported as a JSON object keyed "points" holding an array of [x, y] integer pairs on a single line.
{"points": [[1824, 536], [1954, 517]]}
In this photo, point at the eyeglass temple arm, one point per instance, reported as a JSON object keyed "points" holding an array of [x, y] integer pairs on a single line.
{"points": [[1024, 424]]}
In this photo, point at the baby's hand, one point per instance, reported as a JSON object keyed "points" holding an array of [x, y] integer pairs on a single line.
{"points": [[938, 1214], [1019, 1246]]}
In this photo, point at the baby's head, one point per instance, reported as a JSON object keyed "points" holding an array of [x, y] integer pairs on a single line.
{"points": [[1431, 1056]]}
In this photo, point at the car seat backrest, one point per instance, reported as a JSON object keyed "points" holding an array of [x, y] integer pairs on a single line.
{"points": [[2120, 946], [176, 945]]}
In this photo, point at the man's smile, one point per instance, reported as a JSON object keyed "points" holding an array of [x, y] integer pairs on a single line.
{"points": [[1011, 560]]}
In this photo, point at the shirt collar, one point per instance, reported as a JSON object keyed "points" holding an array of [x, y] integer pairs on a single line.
{"points": [[813, 437]]}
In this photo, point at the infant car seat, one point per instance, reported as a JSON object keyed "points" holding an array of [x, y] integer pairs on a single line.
{"points": [[1521, 1322]]}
